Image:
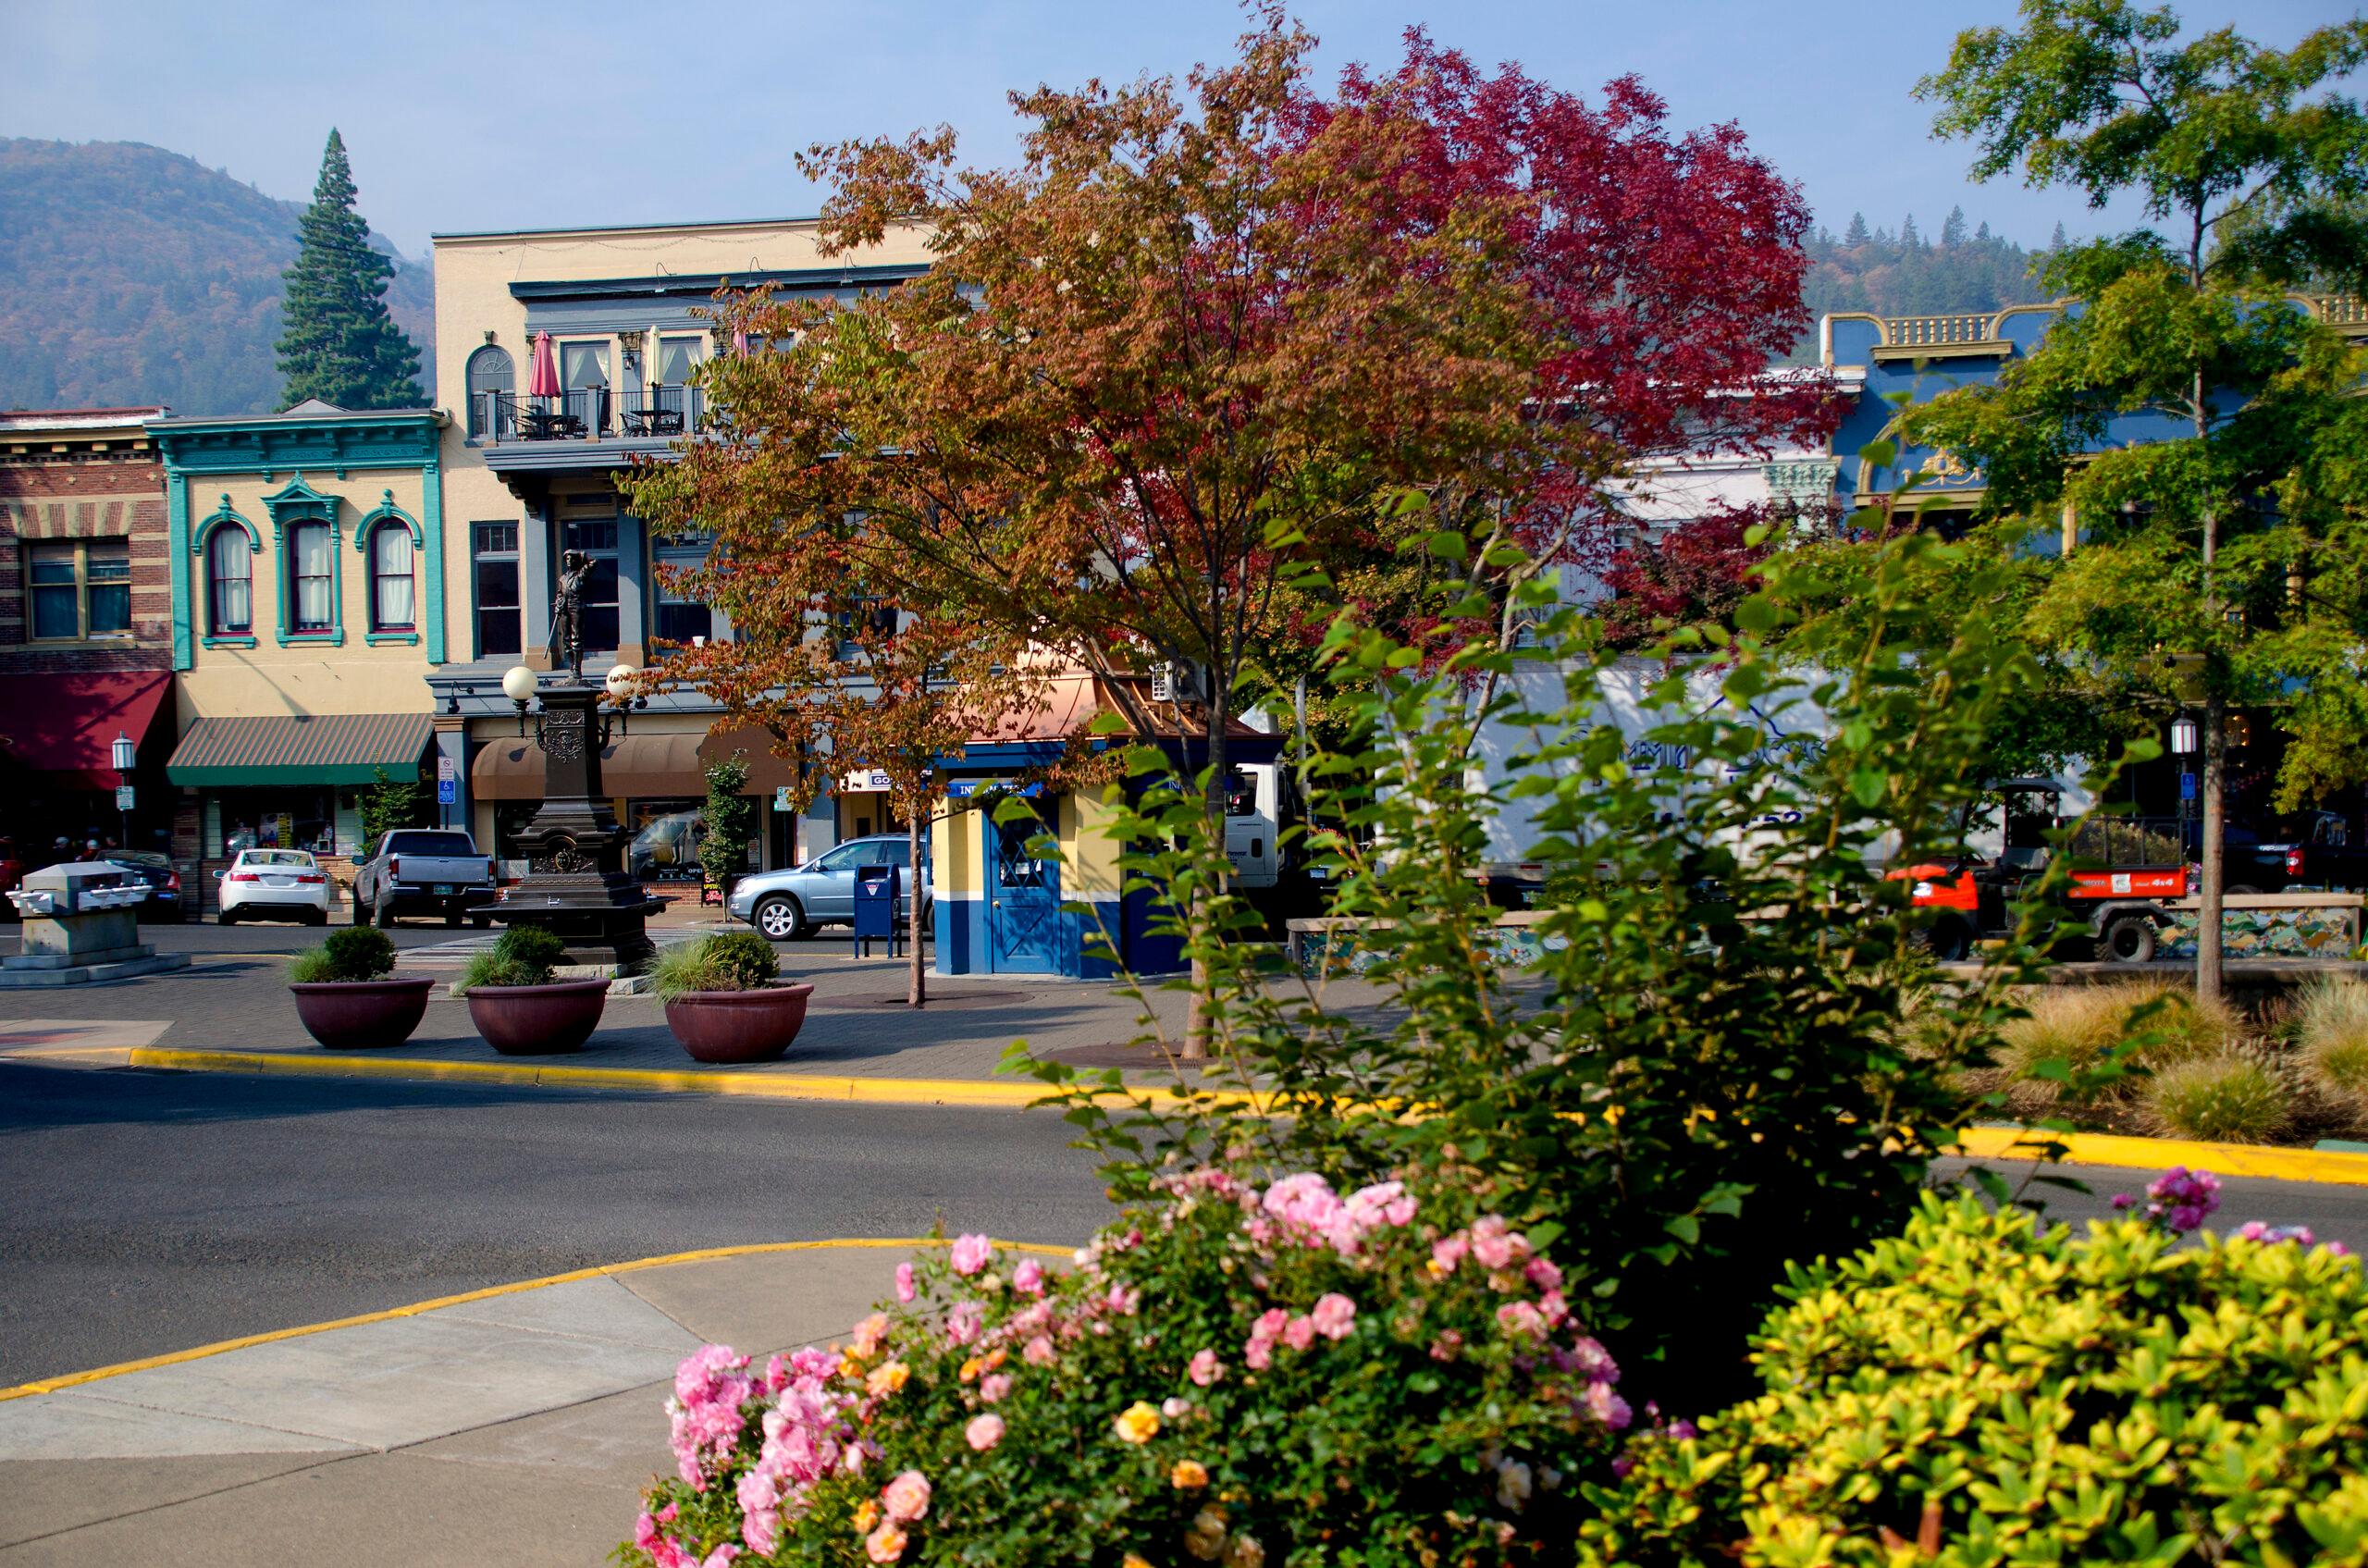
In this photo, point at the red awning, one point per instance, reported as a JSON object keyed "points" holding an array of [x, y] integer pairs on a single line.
{"points": [[65, 726]]}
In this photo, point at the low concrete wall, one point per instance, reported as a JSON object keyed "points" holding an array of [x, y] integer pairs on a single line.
{"points": [[1336, 944], [2271, 925]]}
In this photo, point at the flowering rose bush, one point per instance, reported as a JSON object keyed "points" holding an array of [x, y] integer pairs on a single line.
{"points": [[1230, 1375]]}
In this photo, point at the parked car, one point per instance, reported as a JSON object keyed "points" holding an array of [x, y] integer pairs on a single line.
{"points": [[2306, 849], [164, 882], [794, 900], [281, 884], [424, 872]]}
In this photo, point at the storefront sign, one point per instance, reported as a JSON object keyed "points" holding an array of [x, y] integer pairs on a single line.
{"points": [[780, 798], [964, 789], [865, 781]]}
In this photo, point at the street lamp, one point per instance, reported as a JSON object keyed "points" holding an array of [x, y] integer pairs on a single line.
{"points": [[2183, 735], [620, 685], [518, 687], [126, 757]]}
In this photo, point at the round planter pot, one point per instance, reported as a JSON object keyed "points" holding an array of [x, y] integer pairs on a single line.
{"points": [[357, 1014], [534, 1020], [738, 1026]]}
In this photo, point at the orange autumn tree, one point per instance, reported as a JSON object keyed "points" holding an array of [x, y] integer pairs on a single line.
{"points": [[831, 654]]}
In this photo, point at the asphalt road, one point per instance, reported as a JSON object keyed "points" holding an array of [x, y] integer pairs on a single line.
{"points": [[147, 1212]]}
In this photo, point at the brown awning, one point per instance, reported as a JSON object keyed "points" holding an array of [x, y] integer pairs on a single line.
{"points": [[642, 765], [645, 765]]}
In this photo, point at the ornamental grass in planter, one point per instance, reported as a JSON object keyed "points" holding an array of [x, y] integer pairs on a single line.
{"points": [[722, 1001], [516, 1005], [347, 996]]}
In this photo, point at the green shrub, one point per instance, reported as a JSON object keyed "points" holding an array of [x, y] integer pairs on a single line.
{"points": [[2231, 1099], [1229, 1375], [2049, 1397], [729, 960], [521, 955], [357, 954], [2333, 1034]]}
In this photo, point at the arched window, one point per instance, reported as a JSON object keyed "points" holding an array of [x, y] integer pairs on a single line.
{"points": [[392, 592], [310, 586], [490, 371], [229, 582]]}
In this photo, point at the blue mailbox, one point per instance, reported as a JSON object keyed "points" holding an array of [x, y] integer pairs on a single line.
{"points": [[877, 891]]}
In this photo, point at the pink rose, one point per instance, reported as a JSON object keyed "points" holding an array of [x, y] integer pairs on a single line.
{"points": [[905, 1290], [1334, 1317], [970, 1255], [1554, 1309], [1521, 1319], [1543, 1274], [962, 1323], [1496, 1246], [1300, 1333], [1029, 1277], [1448, 1252], [870, 1333], [1258, 1353], [905, 1498], [1204, 1368], [1607, 1406], [886, 1544], [1038, 1351], [995, 1386], [983, 1433]]}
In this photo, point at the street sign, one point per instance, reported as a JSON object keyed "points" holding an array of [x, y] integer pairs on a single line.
{"points": [[447, 790], [445, 771], [123, 798], [2187, 786], [780, 798]]}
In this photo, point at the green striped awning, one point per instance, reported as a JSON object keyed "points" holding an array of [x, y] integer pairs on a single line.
{"points": [[330, 749]]}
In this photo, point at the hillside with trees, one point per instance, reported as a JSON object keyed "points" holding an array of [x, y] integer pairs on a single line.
{"points": [[1908, 273], [132, 275]]}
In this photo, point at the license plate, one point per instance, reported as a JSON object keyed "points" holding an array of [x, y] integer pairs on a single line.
{"points": [[443, 887], [278, 881]]}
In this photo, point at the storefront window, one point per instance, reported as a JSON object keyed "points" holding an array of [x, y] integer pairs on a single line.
{"points": [[665, 840], [278, 818]]}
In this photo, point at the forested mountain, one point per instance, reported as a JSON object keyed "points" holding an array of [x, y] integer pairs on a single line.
{"points": [[130, 275], [1909, 274]]}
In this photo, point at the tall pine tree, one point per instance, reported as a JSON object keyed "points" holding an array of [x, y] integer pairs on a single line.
{"points": [[340, 344]]}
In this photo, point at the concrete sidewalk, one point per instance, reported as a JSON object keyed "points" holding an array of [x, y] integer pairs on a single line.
{"points": [[516, 1427]]}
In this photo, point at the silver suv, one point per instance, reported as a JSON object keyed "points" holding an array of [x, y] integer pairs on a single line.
{"points": [[792, 901]]}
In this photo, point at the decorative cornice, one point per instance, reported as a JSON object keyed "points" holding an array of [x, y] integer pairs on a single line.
{"points": [[270, 445]]}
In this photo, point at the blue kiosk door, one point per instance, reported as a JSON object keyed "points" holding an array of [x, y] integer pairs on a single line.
{"points": [[1023, 901]]}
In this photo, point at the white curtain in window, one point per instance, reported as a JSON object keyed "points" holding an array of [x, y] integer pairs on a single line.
{"points": [[390, 574], [312, 575], [233, 611]]}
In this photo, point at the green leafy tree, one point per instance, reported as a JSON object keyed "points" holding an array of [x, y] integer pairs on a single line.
{"points": [[727, 821], [339, 345], [389, 803], [2219, 565]]}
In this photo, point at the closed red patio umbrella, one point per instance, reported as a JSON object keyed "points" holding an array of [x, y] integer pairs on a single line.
{"points": [[543, 380]]}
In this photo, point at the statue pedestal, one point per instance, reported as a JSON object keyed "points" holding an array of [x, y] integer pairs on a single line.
{"points": [[576, 886]]}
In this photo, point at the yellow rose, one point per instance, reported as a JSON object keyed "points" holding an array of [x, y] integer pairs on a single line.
{"points": [[866, 1514], [969, 1369], [1139, 1423], [1134, 1560], [1190, 1476], [888, 1377]]}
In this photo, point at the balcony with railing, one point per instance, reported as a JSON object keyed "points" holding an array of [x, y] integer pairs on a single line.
{"points": [[594, 414]]}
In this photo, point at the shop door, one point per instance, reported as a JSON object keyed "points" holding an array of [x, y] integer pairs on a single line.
{"points": [[1024, 901]]}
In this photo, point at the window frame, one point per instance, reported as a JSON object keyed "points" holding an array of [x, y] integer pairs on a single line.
{"points": [[374, 573], [229, 542], [78, 552], [293, 587], [479, 556], [613, 553], [483, 425]]}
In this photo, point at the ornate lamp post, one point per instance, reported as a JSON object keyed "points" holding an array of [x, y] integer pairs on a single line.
{"points": [[576, 884], [126, 757]]}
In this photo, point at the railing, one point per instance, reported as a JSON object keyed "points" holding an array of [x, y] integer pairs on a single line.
{"points": [[594, 414], [2341, 310], [1935, 331]]}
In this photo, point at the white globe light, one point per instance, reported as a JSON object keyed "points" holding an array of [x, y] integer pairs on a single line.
{"points": [[519, 684], [620, 681]]}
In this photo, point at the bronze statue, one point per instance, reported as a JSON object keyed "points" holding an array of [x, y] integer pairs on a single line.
{"points": [[567, 613]]}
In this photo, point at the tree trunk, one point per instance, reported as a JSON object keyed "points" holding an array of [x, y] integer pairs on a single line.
{"points": [[2210, 895], [1196, 1022], [917, 991]]}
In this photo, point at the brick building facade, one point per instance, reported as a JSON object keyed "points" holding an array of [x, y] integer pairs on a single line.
{"points": [[85, 627]]}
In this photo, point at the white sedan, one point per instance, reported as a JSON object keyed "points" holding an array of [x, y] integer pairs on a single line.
{"points": [[285, 884]]}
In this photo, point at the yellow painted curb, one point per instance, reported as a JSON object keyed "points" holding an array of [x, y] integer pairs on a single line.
{"points": [[2331, 1166], [703, 1255]]}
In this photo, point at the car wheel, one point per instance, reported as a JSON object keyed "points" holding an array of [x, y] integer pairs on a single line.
{"points": [[481, 923], [382, 913], [2128, 939], [1948, 940], [227, 918], [452, 921], [783, 919]]}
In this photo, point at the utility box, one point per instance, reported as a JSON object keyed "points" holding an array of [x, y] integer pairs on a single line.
{"points": [[877, 890]]}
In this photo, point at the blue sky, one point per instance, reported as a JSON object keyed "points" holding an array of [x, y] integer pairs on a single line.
{"points": [[484, 115]]}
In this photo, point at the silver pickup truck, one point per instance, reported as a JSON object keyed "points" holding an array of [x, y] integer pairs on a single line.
{"points": [[424, 872]]}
